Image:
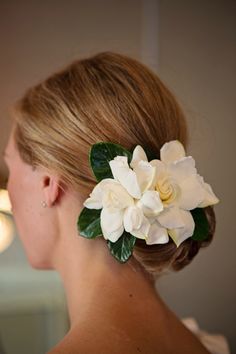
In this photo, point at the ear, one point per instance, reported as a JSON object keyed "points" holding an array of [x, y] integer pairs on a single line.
{"points": [[52, 189]]}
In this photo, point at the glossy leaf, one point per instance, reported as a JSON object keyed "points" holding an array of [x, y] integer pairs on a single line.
{"points": [[201, 230], [101, 154], [89, 223], [122, 249]]}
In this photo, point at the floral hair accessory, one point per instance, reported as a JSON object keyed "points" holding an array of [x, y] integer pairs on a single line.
{"points": [[150, 200]]}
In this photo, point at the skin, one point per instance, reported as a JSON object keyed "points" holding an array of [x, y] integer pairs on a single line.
{"points": [[113, 307]]}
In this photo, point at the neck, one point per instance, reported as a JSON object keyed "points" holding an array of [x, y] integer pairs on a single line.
{"points": [[96, 283]]}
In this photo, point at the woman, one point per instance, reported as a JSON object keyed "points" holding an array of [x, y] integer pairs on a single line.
{"points": [[113, 305]]}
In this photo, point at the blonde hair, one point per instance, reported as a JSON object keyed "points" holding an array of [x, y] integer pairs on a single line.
{"points": [[107, 97]]}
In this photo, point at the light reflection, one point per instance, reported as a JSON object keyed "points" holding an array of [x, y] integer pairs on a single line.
{"points": [[5, 204], [6, 222], [6, 231]]}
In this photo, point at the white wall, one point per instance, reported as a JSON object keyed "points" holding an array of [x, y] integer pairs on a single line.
{"points": [[191, 46]]}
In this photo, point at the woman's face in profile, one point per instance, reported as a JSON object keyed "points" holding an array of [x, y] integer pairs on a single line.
{"points": [[26, 197]]}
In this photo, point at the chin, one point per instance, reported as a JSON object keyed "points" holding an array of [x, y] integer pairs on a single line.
{"points": [[38, 257], [39, 263]]}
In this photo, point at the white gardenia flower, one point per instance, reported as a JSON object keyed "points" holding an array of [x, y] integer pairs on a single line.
{"points": [[118, 199], [151, 200], [110, 196], [180, 190]]}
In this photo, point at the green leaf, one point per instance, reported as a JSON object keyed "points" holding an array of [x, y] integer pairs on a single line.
{"points": [[201, 230], [89, 223], [122, 249], [100, 155]]}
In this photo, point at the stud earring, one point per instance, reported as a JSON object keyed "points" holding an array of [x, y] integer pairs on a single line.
{"points": [[44, 204]]}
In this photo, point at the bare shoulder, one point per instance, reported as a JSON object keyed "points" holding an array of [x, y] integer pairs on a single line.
{"points": [[143, 337]]}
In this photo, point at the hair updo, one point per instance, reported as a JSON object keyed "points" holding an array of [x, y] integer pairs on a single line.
{"points": [[107, 97]]}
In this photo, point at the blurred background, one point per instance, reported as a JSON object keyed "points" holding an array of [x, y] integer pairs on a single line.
{"points": [[190, 44]]}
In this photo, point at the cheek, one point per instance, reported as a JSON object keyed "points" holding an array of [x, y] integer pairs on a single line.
{"points": [[36, 233], [21, 194], [14, 192], [22, 206], [33, 222]]}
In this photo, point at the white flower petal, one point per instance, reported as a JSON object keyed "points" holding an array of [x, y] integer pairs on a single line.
{"points": [[210, 198], [152, 219], [112, 224], [179, 235], [192, 193], [171, 218], [127, 177], [92, 203], [151, 203], [142, 232], [161, 169], [133, 217], [182, 169], [172, 151], [157, 234], [115, 196], [145, 173], [95, 199], [138, 155]]}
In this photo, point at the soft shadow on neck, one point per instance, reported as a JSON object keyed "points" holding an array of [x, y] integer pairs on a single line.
{"points": [[96, 283]]}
